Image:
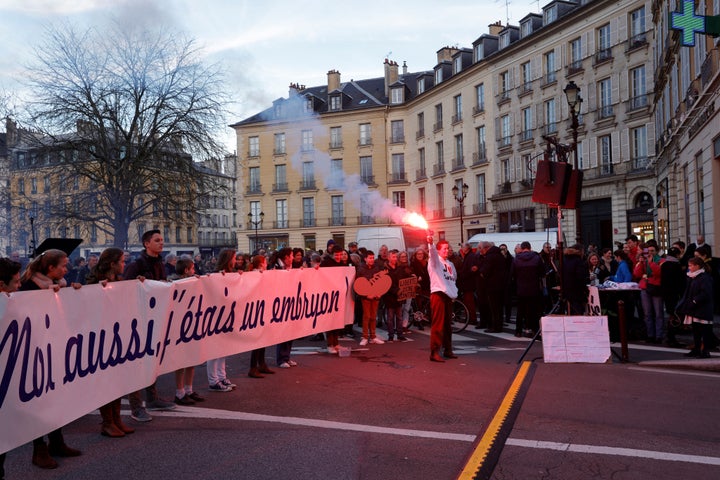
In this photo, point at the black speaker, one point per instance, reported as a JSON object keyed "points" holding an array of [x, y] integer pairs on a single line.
{"points": [[574, 191], [551, 182]]}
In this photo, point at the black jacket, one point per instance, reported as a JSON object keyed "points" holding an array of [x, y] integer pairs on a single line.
{"points": [[149, 267], [528, 270]]}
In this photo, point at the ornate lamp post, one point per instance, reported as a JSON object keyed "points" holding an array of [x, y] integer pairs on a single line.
{"points": [[574, 101], [255, 224], [460, 197]]}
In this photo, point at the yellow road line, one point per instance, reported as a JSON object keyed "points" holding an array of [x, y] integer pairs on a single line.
{"points": [[475, 462]]}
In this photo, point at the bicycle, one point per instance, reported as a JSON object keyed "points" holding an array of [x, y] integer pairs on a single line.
{"points": [[420, 314]]}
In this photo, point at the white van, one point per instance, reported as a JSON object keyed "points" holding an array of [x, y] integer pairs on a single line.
{"points": [[536, 239], [396, 237]]}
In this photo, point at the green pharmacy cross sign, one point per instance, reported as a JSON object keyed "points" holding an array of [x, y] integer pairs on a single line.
{"points": [[688, 23]]}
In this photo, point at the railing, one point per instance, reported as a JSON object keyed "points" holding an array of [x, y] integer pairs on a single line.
{"points": [[306, 148], [365, 142], [308, 222], [458, 163], [576, 66], [398, 177], [636, 41], [280, 187], [368, 179], [477, 109], [505, 141], [550, 128], [281, 224], [397, 138], [526, 87], [254, 189], [457, 118], [479, 156], [279, 151], [439, 168], [437, 126], [420, 174], [606, 111], [420, 133], [640, 163], [336, 221], [366, 220], [456, 210], [308, 185], [549, 78], [438, 213], [479, 208], [336, 144], [526, 135], [603, 55], [636, 103]]}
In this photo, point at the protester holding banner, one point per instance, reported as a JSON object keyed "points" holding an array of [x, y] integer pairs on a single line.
{"points": [[47, 271], [258, 366], [443, 291], [9, 282], [184, 393], [283, 259], [217, 377], [109, 268], [336, 260], [149, 265]]}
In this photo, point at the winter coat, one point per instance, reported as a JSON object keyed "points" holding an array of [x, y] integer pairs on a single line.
{"points": [[698, 298], [528, 270]]}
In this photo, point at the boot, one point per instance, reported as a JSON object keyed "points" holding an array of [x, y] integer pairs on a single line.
{"points": [[255, 373], [117, 419], [41, 457], [263, 368], [109, 429], [58, 448]]}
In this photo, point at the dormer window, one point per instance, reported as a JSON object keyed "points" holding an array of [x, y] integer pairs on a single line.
{"points": [[550, 14], [457, 65], [420, 86], [505, 39], [479, 52], [396, 95], [525, 28], [308, 107], [438, 75], [335, 103]]}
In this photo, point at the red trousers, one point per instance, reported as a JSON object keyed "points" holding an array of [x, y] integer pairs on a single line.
{"points": [[440, 327]]}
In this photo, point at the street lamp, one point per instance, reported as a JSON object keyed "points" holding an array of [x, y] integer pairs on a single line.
{"points": [[574, 101], [460, 197], [256, 224]]}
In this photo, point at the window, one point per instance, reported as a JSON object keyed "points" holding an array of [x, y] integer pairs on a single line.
{"points": [[550, 14], [308, 105], [459, 155], [550, 116], [366, 170], [166, 232], [365, 136], [21, 186], [338, 211], [505, 170], [638, 137], [638, 98], [457, 64], [396, 96], [255, 210], [605, 109], [440, 200], [397, 131], [33, 185], [420, 125], [398, 167], [505, 131], [46, 184], [504, 40], [279, 143], [549, 58], [422, 172], [308, 175], [308, 212], [575, 55], [637, 27], [479, 52], [457, 102], [605, 154], [438, 75], [421, 85], [440, 165], [526, 133], [438, 117], [280, 178], [481, 194], [254, 180], [526, 72], [422, 200], [177, 235], [335, 137], [254, 146], [93, 233], [481, 148], [525, 28], [604, 50], [281, 213], [336, 173], [480, 98], [399, 199], [335, 102], [504, 85], [307, 140]]}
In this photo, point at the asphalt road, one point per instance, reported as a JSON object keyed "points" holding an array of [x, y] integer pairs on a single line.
{"points": [[388, 412]]}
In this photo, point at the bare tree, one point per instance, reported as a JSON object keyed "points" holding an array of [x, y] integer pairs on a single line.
{"points": [[121, 114]]}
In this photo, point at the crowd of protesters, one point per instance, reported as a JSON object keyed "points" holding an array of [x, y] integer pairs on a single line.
{"points": [[676, 288]]}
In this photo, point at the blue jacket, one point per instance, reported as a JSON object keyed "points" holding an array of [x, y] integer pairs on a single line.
{"points": [[623, 274]]}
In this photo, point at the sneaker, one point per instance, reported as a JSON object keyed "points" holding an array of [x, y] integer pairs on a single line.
{"points": [[284, 365], [228, 383], [363, 342], [332, 350], [195, 396], [292, 363], [184, 400], [140, 415], [159, 404], [219, 387], [402, 338], [376, 341]]}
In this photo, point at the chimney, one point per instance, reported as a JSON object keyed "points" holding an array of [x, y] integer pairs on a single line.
{"points": [[391, 75], [293, 90], [333, 77], [495, 28], [404, 67], [446, 54], [11, 131]]}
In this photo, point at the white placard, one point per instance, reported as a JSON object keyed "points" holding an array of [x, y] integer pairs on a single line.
{"points": [[575, 339]]}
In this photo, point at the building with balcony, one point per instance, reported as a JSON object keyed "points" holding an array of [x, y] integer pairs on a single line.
{"points": [[685, 104], [479, 118]]}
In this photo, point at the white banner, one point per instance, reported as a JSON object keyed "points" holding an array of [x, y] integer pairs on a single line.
{"points": [[65, 354]]}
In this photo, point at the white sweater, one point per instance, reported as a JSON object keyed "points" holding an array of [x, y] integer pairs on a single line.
{"points": [[442, 274]]}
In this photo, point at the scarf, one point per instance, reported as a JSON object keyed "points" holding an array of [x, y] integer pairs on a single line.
{"points": [[45, 282], [695, 273]]}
